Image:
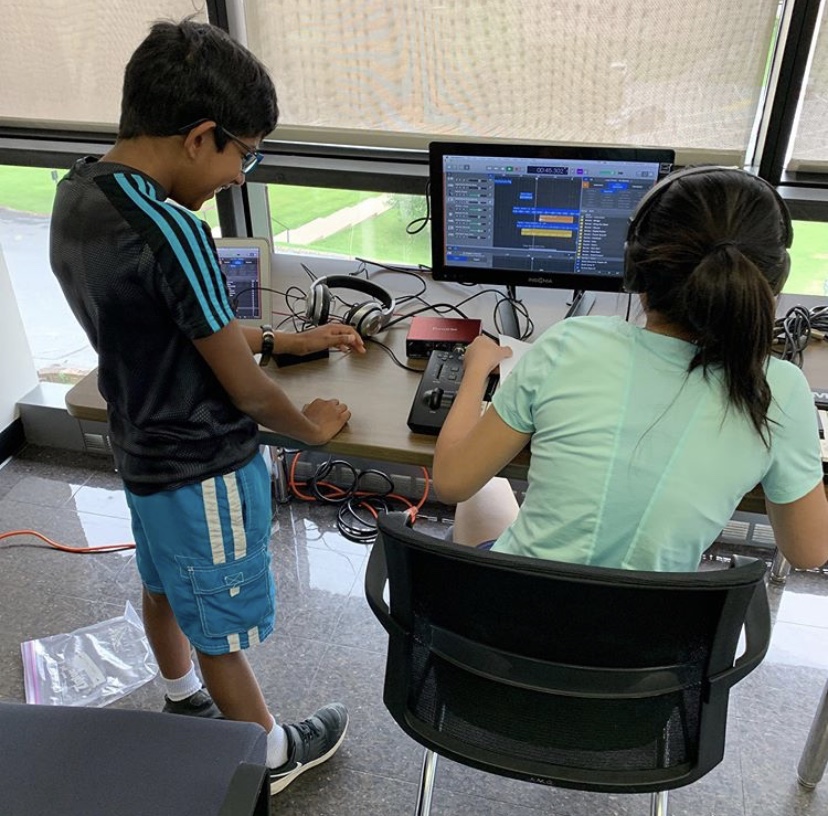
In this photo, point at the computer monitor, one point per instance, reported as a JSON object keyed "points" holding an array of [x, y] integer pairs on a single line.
{"points": [[537, 215], [246, 266]]}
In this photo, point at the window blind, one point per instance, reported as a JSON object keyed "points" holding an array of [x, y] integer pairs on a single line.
{"points": [[661, 73], [63, 63]]}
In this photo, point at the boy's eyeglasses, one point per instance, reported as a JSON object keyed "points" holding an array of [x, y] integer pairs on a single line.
{"points": [[250, 156]]}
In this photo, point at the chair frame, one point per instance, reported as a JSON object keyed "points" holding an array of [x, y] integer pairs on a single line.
{"points": [[745, 577]]}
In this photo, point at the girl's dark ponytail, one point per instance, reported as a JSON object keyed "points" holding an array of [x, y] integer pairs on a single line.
{"points": [[728, 305], [709, 254]]}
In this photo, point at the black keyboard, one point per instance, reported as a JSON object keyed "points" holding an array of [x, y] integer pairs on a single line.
{"points": [[437, 390]]}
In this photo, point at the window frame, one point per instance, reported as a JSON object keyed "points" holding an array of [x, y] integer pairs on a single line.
{"points": [[396, 163]]}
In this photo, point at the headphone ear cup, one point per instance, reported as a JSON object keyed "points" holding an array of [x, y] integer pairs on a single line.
{"points": [[366, 318], [318, 304], [783, 275], [632, 280]]}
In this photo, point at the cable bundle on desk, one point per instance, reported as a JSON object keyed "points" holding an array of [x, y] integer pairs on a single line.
{"points": [[358, 509], [792, 332], [819, 321]]}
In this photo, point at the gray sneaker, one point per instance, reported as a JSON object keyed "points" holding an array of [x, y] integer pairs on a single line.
{"points": [[199, 704], [310, 742]]}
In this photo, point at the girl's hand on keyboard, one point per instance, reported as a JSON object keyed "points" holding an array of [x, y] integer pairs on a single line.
{"points": [[483, 356]]}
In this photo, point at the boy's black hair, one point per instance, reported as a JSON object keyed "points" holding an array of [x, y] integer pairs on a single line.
{"points": [[186, 72]]}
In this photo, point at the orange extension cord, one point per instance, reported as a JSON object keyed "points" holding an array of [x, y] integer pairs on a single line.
{"points": [[64, 548], [335, 491]]}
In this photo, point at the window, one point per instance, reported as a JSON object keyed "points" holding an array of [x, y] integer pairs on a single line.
{"points": [[60, 349], [364, 87], [350, 223], [809, 260], [610, 73], [74, 56]]}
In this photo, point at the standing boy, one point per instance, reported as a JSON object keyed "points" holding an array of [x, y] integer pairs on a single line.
{"points": [[183, 390]]}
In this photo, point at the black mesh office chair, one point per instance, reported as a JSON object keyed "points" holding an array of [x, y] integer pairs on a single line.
{"points": [[102, 762], [578, 677]]}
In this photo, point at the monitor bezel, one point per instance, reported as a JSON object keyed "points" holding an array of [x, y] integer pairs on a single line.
{"points": [[442, 271], [265, 280]]}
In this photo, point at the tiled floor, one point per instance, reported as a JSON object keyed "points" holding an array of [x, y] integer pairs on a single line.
{"points": [[328, 646]]}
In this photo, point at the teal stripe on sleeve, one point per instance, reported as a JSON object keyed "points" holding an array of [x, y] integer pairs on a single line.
{"points": [[160, 214], [195, 235], [208, 252]]}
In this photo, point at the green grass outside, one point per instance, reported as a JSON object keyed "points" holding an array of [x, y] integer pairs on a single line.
{"points": [[382, 238], [28, 189], [292, 206], [31, 190], [809, 259]]}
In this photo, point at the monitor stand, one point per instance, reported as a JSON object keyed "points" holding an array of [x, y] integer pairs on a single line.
{"points": [[582, 303], [507, 315]]}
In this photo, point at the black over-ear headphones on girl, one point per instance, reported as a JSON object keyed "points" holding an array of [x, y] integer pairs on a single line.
{"points": [[632, 279], [368, 317]]}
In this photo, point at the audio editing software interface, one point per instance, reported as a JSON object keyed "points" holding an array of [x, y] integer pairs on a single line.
{"points": [[242, 269], [541, 215]]}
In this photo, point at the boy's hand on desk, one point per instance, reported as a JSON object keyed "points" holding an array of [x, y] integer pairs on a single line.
{"points": [[329, 416], [329, 336]]}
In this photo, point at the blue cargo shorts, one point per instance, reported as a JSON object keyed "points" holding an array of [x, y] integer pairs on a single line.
{"points": [[206, 547]]}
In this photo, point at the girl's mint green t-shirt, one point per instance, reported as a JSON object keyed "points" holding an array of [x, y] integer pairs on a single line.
{"points": [[636, 463]]}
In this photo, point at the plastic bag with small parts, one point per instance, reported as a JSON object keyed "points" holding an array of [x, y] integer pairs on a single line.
{"points": [[92, 666]]}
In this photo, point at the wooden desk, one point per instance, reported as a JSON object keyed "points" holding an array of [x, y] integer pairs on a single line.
{"points": [[379, 393]]}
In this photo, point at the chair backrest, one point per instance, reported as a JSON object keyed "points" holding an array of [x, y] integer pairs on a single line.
{"points": [[575, 676]]}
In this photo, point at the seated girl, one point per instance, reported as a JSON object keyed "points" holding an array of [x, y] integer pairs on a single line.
{"points": [[645, 439]]}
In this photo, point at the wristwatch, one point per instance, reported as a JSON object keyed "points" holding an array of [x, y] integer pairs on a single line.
{"points": [[267, 345]]}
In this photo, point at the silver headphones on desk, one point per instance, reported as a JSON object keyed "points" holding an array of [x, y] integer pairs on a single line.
{"points": [[368, 317]]}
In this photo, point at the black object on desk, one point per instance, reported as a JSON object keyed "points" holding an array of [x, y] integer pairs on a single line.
{"points": [[285, 360], [437, 390]]}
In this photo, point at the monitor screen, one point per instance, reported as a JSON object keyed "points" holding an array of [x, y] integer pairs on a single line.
{"points": [[536, 215], [245, 263]]}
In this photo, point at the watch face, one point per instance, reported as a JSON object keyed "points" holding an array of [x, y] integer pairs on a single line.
{"points": [[267, 345]]}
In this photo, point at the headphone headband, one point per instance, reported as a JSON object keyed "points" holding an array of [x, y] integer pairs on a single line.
{"points": [[651, 197], [633, 281], [357, 285]]}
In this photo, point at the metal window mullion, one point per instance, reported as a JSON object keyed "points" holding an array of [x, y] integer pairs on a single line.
{"points": [[781, 115], [233, 205], [217, 13]]}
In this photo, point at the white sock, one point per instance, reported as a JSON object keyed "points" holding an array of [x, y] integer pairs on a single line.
{"points": [[183, 687], [276, 746]]}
